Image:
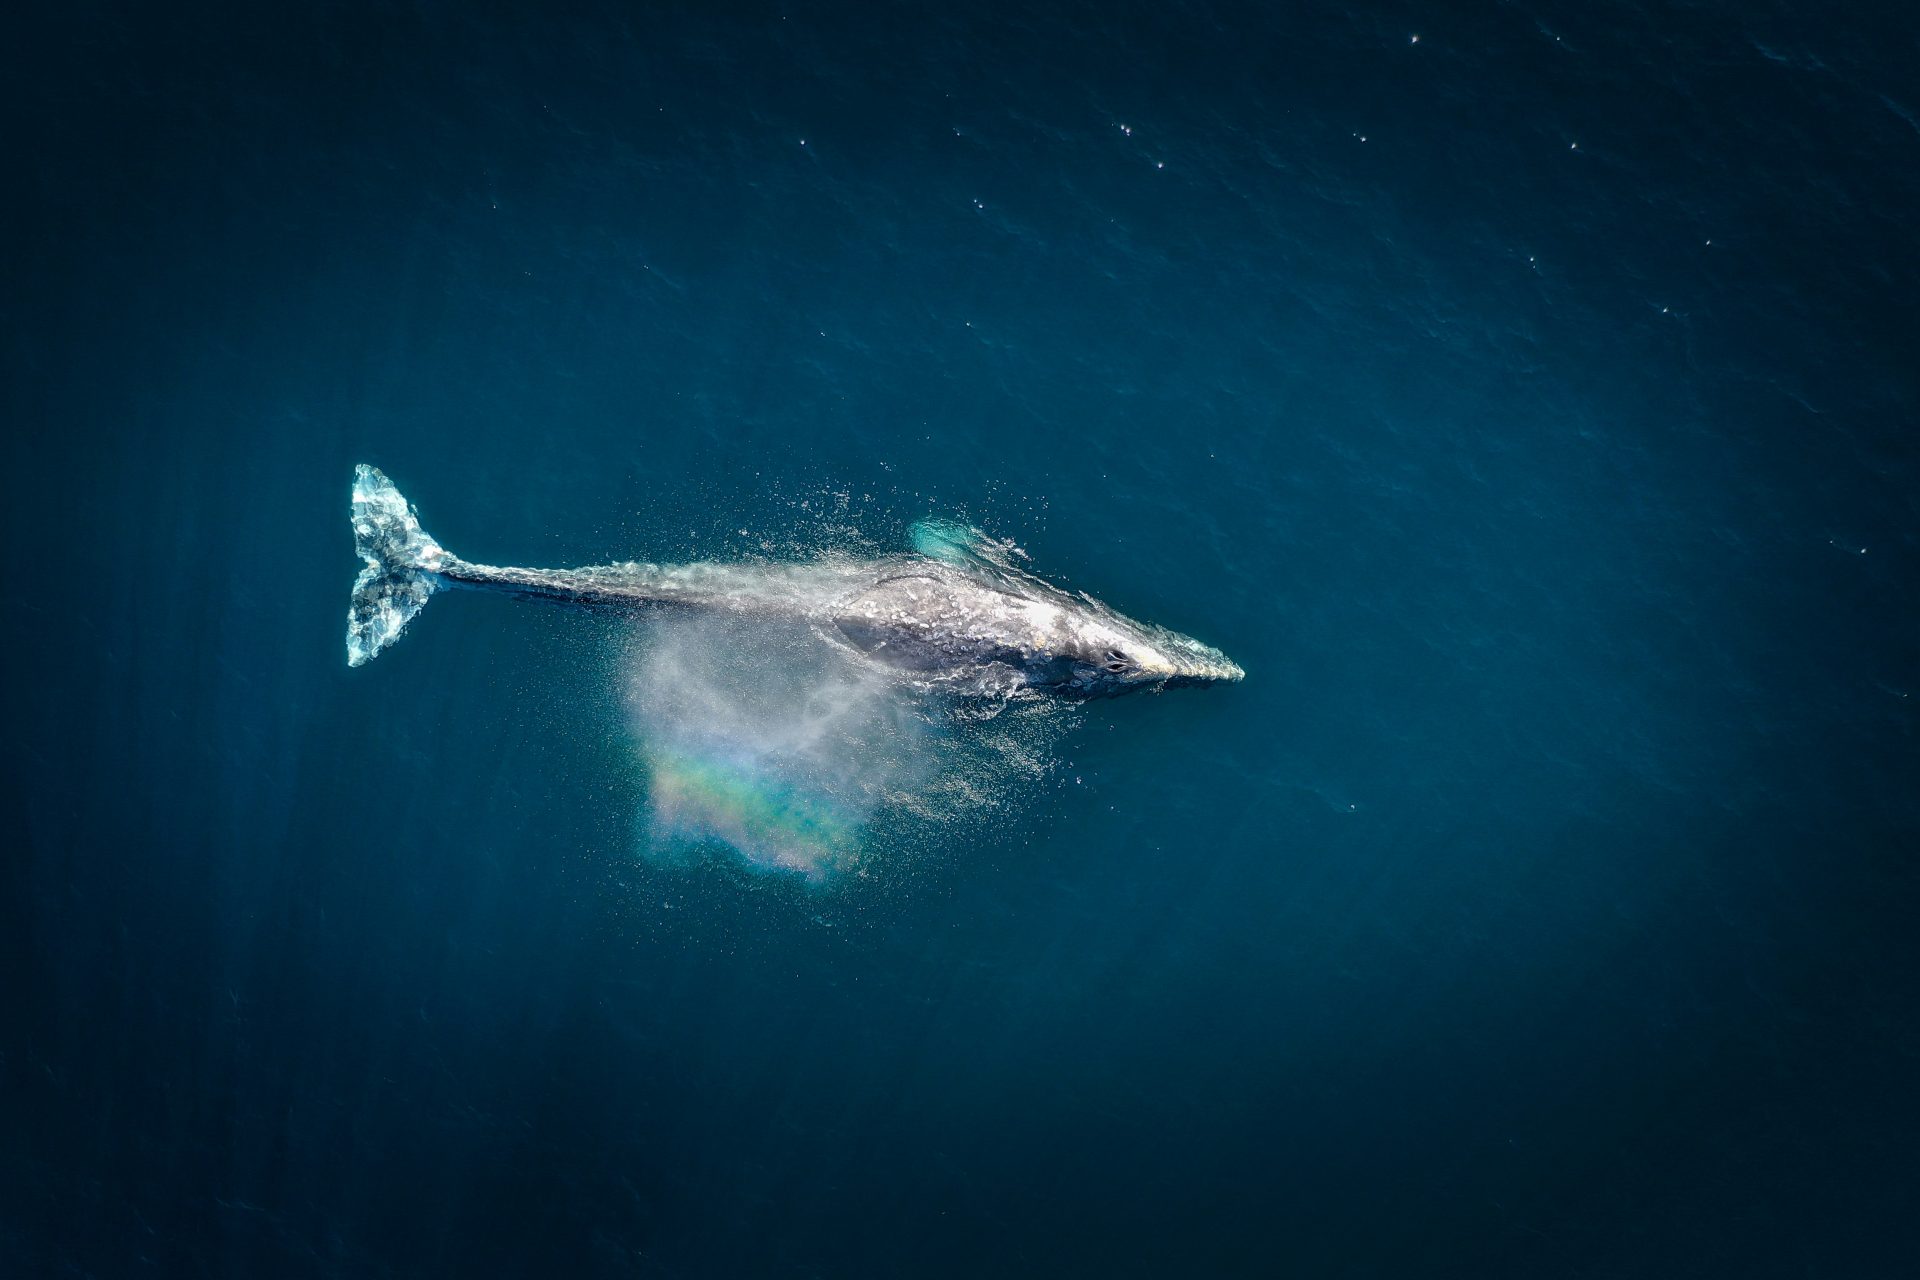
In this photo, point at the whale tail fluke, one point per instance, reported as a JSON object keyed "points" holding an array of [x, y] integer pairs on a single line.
{"points": [[403, 565]]}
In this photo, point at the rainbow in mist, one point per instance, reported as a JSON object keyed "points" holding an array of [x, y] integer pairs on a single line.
{"points": [[764, 741], [771, 822]]}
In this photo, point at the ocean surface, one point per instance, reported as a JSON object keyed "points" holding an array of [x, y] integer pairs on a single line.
{"points": [[1525, 394]]}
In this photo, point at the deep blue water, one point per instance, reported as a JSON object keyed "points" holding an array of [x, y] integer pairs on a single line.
{"points": [[1530, 408]]}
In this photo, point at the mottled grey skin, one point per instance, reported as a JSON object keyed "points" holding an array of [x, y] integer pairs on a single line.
{"points": [[961, 617]]}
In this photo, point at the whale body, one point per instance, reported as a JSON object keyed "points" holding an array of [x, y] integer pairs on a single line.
{"points": [[955, 613]]}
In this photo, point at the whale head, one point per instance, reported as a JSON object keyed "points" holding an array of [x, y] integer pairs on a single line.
{"points": [[1064, 643], [1113, 655]]}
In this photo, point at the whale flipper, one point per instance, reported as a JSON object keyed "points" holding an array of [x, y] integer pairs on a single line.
{"points": [[402, 570], [962, 545]]}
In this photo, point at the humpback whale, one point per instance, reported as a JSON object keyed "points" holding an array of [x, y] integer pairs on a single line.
{"points": [[955, 613]]}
